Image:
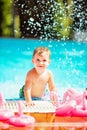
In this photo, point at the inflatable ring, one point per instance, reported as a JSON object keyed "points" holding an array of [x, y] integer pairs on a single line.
{"points": [[4, 114], [65, 109], [21, 119], [79, 112]]}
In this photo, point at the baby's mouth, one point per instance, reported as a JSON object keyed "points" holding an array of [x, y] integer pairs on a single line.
{"points": [[40, 66]]}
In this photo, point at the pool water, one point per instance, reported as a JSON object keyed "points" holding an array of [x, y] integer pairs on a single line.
{"points": [[68, 64]]}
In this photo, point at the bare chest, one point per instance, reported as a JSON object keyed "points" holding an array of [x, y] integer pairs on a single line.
{"points": [[40, 80]]}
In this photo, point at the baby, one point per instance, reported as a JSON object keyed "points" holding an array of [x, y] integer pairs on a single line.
{"points": [[39, 76]]}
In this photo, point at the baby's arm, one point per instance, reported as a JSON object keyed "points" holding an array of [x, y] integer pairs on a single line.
{"points": [[27, 90], [52, 89], [51, 83]]}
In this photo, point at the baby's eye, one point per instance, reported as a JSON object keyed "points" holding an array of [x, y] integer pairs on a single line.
{"points": [[38, 60], [44, 60]]}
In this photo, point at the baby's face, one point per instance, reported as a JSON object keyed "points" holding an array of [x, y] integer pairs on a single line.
{"points": [[41, 61]]}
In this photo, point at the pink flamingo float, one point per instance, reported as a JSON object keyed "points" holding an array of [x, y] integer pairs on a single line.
{"points": [[81, 109], [62, 109], [72, 109], [4, 114], [72, 94], [21, 120], [7, 117], [73, 104]]}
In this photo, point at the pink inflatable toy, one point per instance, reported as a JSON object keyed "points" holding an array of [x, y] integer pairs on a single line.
{"points": [[1, 99], [65, 109], [81, 110], [21, 120], [73, 104], [62, 109], [4, 114], [72, 94]]}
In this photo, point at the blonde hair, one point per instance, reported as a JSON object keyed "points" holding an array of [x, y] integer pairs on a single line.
{"points": [[40, 50]]}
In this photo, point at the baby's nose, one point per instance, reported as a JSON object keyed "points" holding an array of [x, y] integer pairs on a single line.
{"points": [[41, 62]]}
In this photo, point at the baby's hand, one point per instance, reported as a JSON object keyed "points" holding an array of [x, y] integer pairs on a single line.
{"points": [[54, 98], [30, 103]]}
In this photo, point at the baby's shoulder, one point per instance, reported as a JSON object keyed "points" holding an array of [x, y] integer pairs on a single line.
{"points": [[30, 72], [49, 72]]}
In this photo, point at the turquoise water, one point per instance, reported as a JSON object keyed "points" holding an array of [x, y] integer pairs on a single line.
{"points": [[68, 64]]}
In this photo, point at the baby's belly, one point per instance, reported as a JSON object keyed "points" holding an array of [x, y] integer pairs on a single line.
{"points": [[37, 94]]}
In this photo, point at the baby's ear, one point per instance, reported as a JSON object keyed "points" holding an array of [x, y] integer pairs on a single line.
{"points": [[32, 60]]}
